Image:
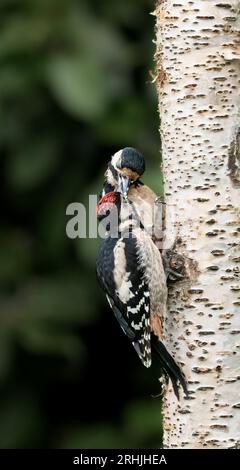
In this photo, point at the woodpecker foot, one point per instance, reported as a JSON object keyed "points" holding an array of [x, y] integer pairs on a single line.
{"points": [[174, 265], [173, 275]]}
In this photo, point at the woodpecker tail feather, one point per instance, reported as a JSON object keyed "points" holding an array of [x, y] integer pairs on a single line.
{"points": [[169, 366]]}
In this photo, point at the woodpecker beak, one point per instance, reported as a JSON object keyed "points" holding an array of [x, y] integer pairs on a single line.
{"points": [[123, 184]]}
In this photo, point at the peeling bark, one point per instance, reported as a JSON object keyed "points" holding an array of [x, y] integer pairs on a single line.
{"points": [[198, 78]]}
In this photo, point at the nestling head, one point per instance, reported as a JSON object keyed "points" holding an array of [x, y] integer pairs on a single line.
{"points": [[107, 203]]}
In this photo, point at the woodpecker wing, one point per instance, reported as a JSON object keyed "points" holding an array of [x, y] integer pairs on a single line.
{"points": [[122, 279], [122, 321]]}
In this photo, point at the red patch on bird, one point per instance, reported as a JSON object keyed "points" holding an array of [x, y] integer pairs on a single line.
{"points": [[107, 202]]}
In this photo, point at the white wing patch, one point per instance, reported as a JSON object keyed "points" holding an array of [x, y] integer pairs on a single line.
{"points": [[124, 291], [121, 277]]}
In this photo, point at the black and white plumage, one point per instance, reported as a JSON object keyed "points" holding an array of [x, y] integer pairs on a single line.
{"points": [[130, 271], [127, 291]]}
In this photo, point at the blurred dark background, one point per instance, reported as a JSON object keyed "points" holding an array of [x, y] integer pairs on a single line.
{"points": [[75, 86]]}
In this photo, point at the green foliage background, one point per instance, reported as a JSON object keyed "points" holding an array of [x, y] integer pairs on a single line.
{"points": [[74, 88]]}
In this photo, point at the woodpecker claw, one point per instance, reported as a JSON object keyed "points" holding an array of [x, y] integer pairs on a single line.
{"points": [[173, 265]]}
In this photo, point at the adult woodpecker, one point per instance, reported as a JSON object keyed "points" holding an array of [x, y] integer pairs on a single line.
{"points": [[124, 171], [130, 271]]}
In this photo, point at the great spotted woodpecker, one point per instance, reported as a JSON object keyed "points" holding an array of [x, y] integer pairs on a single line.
{"points": [[124, 172], [130, 271]]}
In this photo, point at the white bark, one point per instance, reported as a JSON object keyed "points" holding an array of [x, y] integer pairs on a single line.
{"points": [[198, 78]]}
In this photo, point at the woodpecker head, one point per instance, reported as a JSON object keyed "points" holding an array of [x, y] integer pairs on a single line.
{"points": [[126, 167]]}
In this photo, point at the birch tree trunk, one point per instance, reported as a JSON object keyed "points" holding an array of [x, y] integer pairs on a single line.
{"points": [[198, 79]]}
